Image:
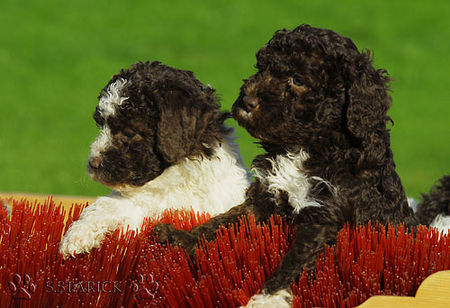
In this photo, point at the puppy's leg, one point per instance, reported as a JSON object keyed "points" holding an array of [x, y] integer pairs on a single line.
{"points": [[98, 219], [258, 202], [189, 239], [315, 227], [309, 241]]}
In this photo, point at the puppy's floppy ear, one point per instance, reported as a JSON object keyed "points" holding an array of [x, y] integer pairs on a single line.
{"points": [[176, 133], [367, 97], [190, 124]]}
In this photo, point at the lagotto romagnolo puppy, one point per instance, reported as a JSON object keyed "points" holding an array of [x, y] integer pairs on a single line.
{"points": [[319, 108], [162, 144]]}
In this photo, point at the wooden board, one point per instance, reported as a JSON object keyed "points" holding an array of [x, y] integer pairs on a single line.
{"points": [[66, 201], [433, 292]]}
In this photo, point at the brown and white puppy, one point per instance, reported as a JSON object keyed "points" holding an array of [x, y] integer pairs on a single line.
{"points": [[162, 144]]}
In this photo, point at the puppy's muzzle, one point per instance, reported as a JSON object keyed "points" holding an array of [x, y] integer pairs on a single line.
{"points": [[95, 162], [251, 104]]}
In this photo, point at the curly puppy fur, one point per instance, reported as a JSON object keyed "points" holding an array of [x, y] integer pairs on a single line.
{"points": [[162, 144], [434, 209], [319, 108]]}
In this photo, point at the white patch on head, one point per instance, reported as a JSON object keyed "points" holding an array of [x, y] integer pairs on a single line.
{"points": [[112, 98], [442, 223], [288, 175], [101, 143], [282, 298]]}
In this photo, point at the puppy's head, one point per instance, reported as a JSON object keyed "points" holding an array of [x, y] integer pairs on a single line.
{"points": [[150, 117], [312, 84]]}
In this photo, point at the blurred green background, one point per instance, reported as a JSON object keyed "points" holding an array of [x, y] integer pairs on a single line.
{"points": [[55, 56]]}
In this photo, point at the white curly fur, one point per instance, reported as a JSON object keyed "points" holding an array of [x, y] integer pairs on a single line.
{"points": [[112, 98], [279, 299], [211, 185], [288, 175]]}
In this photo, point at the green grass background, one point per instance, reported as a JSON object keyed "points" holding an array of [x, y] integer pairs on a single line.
{"points": [[55, 56]]}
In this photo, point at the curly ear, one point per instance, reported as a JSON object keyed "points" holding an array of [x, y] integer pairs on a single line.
{"points": [[189, 128], [367, 98], [177, 133]]}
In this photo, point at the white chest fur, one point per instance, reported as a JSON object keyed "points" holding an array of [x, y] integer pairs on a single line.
{"points": [[288, 175]]}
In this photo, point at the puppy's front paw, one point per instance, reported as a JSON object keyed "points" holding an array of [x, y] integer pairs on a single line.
{"points": [[78, 240], [281, 298], [168, 233]]}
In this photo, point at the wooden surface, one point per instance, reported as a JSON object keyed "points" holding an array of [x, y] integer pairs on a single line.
{"points": [[433, 292], [66, 201]]}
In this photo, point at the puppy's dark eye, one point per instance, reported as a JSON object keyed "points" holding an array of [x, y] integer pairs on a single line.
{"points": [[297, 86], [297, 81], [129, 132]]}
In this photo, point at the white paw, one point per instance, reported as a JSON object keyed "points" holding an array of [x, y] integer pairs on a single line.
{"points": [[282, 298], [80, 238]]}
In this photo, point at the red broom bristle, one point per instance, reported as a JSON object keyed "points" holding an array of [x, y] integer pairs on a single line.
{"points": [[372, 260], [223, 273], [184, 220], [227, 272]]}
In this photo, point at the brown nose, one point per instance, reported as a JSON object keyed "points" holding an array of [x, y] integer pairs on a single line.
{"points": [[251, 103], [94, 162]]}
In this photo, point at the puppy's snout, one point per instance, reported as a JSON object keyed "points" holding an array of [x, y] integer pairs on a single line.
{"points": [[251, 103], [95, 162]]}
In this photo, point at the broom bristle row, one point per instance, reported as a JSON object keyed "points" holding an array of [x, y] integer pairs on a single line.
{"points": [[134, 269]]}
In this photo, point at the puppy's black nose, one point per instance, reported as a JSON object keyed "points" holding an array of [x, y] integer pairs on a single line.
{"points": [[251, 103], [94, 162]]}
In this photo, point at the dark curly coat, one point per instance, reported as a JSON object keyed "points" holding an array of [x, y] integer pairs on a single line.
{"points": [[436, 202], [319, 108]]}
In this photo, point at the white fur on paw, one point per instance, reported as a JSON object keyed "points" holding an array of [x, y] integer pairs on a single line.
{"points": [[78, 239], [282, 298]]}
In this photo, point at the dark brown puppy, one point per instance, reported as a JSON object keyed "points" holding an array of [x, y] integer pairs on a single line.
{"points": [[319, 108]]}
